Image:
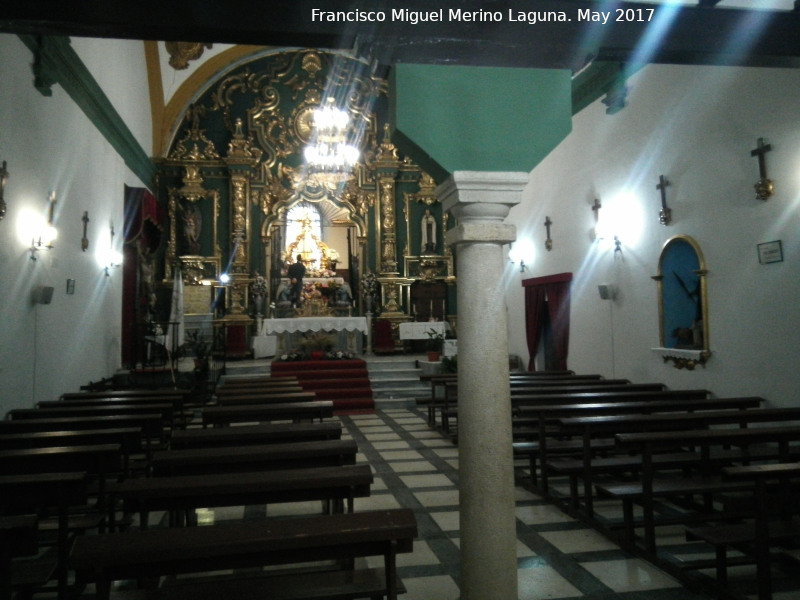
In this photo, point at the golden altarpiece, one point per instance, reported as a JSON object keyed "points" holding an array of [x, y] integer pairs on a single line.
{"points": [[236, 169]]}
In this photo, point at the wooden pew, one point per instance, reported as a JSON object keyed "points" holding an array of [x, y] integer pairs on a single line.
{"points": [[775, 492], [647, 444], [268, 433], [537, 450], [259, 398], [185, 493], [19, 537], [257, 379], [226, 415], [197, 461], [154, 552], [239, 390], [590, 427], [59, 410], [129, 440], [46, 494], [151, 425], [128, 393]]}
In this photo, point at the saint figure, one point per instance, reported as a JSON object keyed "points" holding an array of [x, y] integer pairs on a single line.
{"points": [[428, 233]]}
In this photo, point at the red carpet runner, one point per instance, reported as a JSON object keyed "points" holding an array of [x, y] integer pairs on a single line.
{"points": [[344, 382]]}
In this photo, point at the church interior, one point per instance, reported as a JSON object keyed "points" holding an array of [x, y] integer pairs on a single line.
{"points": [[196, 198]]}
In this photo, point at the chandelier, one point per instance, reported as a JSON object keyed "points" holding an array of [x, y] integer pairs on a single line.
{"points": [[330, 158]]}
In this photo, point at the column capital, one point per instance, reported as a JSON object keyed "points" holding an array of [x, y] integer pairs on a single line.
{"points": [[481, 195], [480, 201]]}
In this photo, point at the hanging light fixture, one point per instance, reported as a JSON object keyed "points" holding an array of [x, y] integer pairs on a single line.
{"points": [[330, 157]]}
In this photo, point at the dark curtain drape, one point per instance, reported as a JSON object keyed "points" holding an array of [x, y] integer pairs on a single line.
{"points": [[558, 306], [555, 290], [534, 305]]}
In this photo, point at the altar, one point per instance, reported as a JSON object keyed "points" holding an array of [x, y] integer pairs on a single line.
{"points": [[289, 332]]}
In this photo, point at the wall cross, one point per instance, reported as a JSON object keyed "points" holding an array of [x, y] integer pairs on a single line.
{"points": [[764, 187], [665, 214], [548, 242]]}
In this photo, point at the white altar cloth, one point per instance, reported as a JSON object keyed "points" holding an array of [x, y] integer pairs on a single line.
{"points": [[291, 325], [290, 331]]}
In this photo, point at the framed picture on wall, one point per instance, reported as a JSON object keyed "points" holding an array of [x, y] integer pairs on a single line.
{"points": [[770, 252]]}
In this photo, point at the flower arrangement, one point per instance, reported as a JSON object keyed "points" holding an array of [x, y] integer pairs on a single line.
{"points": [[369, 285], [258, 287], [339, 355], [290, 356]]}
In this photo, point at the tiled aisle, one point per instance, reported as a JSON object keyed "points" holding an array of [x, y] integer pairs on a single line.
{"points": [[558, 557]]}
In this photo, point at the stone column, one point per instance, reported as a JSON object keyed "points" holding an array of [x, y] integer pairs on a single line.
{"points": [[480, 201]]}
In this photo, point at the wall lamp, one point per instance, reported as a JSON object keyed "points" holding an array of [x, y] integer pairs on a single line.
{"points": [[44, 236], [113, 259], [518, 251], [3, 180]]}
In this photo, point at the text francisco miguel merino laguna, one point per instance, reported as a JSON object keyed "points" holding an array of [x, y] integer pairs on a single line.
{"points": [[456, 14]]}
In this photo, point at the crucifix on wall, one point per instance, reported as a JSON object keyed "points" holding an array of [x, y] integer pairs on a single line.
{"points": [[548, 243], [764, 186], [665, 214]]}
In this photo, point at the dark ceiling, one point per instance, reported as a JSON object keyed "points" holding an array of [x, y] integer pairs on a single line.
{"points": [[695, 34]]}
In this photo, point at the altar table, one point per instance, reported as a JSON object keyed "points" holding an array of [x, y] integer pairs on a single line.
{"points": [[348, 330]]}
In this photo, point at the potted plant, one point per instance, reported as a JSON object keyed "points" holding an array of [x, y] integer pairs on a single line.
{"points": [[434, 345]]}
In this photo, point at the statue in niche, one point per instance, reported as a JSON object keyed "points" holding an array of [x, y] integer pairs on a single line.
{"points": [[428, 225], [192, 223]]}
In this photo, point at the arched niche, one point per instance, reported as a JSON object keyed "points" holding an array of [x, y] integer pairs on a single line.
{"points": [[682, 304]]}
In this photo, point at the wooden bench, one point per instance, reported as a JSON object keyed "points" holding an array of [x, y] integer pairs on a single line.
{"points": [[154, 552], [61, 410], [590, 427], [343, 584], [647, 444], [547, 413], [259, 398], [181, 495], [150, 424], [267, 433], [129, 440], [48, 495], [197, 461], [19, 537], [226, 415], [521, 401], [774, 488]]}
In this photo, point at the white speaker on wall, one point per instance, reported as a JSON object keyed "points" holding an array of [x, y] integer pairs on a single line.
{"points": [[607, 291]]}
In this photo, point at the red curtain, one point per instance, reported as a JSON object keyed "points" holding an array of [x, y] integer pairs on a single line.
{"points": [[555, 290], [534, 303]]}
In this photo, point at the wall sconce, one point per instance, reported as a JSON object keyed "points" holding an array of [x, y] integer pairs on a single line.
{"points": [[44, 236], [113, 259], [516, 253], [3, 180]]}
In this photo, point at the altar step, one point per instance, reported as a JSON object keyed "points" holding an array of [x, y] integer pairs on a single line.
{"points": [[395, 379]]}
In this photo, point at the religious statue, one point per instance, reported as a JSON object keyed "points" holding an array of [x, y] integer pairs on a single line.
{"points": [[428, 225], [192, 222]]}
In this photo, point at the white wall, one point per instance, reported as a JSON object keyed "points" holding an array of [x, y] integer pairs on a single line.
{"points": [[696, 126], [50, 144]]}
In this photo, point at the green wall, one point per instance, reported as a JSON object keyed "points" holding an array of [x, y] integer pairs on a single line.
{"points": [[454, 118]]}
